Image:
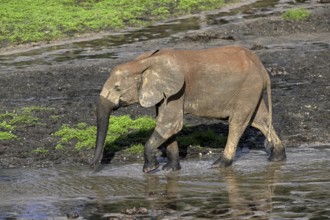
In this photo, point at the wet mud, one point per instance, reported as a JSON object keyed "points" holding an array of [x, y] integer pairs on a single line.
{"points": [[68, 76]]}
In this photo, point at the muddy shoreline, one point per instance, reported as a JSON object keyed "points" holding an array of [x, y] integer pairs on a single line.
{"points": [[296, 54]]}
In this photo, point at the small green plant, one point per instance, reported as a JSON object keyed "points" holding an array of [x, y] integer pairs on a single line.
{"points": [[296, 14], [4, 125], [7, 135], [40, 150], [135, 149], [6, 131]]}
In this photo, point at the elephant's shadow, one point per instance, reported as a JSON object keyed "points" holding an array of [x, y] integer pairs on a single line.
{"points": [[210, 135]]}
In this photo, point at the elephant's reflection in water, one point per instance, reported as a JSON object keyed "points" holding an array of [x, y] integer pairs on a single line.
{"points": [[251, 198], [162, 200], [244, 196]]}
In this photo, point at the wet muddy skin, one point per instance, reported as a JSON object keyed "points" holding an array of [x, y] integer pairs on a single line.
{"points": [[69, 76]]}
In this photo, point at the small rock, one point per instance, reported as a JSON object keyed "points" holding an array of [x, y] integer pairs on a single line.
{"points": [[229, 37], [72, 215], [258, 47], [276, 71], [142, 210], [134, 211]]}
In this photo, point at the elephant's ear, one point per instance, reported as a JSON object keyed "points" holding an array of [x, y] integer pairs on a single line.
{"points": [[159, 82]]}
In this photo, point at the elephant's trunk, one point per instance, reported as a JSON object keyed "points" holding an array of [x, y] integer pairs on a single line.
{"points": [[104, 108]]}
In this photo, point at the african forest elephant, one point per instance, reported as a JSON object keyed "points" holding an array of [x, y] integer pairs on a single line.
{"points": [[223, 83]]}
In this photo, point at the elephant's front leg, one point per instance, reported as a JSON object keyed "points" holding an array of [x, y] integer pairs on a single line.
{"points": [[172, 152], [150, 159], [169, 123]]}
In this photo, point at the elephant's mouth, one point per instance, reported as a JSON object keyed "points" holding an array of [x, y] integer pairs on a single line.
{"points": [[121, 104]]}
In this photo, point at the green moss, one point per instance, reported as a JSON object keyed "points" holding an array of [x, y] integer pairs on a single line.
{"points": [[42, 20], [82, 134], [296, 14]]}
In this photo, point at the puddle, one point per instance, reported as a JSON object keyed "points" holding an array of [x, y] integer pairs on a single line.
{"points": [[254, 188], [103, 48]]}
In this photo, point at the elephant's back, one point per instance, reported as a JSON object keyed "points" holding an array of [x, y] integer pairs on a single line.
{"points": [[217, 76]]}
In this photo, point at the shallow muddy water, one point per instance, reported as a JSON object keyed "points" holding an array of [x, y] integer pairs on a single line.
{"points": [[252, 189]]}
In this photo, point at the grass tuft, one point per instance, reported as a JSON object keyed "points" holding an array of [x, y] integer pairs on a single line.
{"points": [[296, 14], [22, 117], [135, 149], [6, 136]]}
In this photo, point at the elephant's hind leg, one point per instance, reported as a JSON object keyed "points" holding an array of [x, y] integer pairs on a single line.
{"points": [[237, 126], [172, 152], [260, 121], [246, 103]]}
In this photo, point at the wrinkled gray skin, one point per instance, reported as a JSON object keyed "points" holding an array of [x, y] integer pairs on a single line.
{"points": [[223, 83]]}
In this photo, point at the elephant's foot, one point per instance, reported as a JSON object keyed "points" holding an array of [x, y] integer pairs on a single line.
{"points": [[269, 146], [277, 155], [150, 165], [172, 166], [93, 164], [222, 162]]}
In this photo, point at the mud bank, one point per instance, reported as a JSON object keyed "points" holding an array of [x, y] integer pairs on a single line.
{"points": [[296, 54]]}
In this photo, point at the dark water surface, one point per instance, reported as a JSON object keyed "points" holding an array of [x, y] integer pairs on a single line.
{"points": [[252, 189]]}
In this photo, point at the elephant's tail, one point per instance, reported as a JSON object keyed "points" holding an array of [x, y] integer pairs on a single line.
{"points": [[269, 102]]}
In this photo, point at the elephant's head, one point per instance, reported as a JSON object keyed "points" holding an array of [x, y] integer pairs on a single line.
{"points": [[148, 79]]}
